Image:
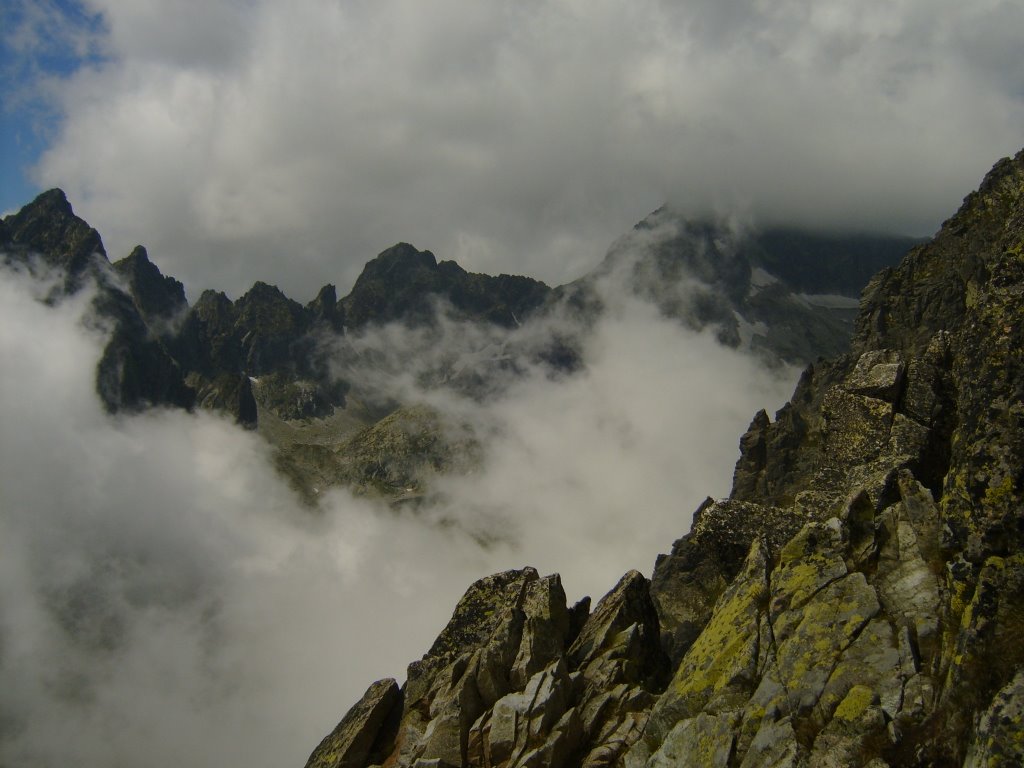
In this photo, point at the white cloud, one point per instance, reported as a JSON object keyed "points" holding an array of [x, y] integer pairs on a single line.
{"points": [[164, 599], [599, 472], [290, 143]]}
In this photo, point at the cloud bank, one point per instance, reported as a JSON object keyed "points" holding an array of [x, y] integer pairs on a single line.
{"points": [[253, 140], [165, 600]]}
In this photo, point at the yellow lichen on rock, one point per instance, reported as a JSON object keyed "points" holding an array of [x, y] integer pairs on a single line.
{"points": [[856, 702]]}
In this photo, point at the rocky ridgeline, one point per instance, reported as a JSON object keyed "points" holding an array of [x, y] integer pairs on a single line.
{"points": [[165, 352], [264, 359], [857, 601], [296, 372]]}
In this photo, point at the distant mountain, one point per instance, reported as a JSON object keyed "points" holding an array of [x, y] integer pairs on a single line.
{"points": [[402, 285], [788, 294], [297, 372], [856, 601], [137, 369]]}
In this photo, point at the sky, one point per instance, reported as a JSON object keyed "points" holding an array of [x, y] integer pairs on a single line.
{"points": [[244, 140]]}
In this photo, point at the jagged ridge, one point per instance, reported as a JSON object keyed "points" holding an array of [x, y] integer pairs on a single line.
{"points": [[273, 364], [856, 601]]}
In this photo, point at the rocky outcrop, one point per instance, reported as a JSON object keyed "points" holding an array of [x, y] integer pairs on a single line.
{"points": [[784, 294], [403, 283], [48, 229], [519, 678], [397, 457], [136, 369], [160, 299], [356, 741], [857, 600]]}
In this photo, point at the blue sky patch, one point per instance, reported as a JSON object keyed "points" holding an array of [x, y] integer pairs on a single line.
{"points": [[41, 42]]}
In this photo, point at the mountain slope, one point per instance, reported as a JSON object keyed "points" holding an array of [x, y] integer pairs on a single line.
{"points": [[308, 377], [790, 295], [136, 369], [857, 601]]}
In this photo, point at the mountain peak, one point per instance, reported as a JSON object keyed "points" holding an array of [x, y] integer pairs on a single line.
{"points": [[139, 257], [401, 258], [325, 307], [262, 291], [936, 286], [49, 228], [403, 283], [54, 200], [156, 295], [326, 295]]}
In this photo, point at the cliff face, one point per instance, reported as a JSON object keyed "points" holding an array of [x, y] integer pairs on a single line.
{"points": [[136, 369], [859, 600], [785, 294]]}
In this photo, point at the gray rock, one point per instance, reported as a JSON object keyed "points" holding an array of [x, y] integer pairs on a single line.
{"points": [[628, 604], [479, 612], [871, 664], [546, 629], [704, 741], [907, 586], [878, 373], [774, 746], [999, 739], [352, 741], [521, 722], [856, 427]]}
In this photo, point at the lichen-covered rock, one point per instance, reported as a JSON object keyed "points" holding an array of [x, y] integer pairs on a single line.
{"points": [[687, 582], [859, 601], [985, 652], [854, 736], [857, 427], [877, 374], [624, 619], [1000, 729], [352, 742], [719, 671], [704, 741], [774, 746]]}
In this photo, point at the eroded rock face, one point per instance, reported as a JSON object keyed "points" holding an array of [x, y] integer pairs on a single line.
{"points": [[509, 682], [136, 369], [352, 742], [858, 601]]}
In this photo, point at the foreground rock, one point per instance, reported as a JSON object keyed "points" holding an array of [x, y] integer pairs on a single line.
{"points": [[856, 602], [519, 678]]}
